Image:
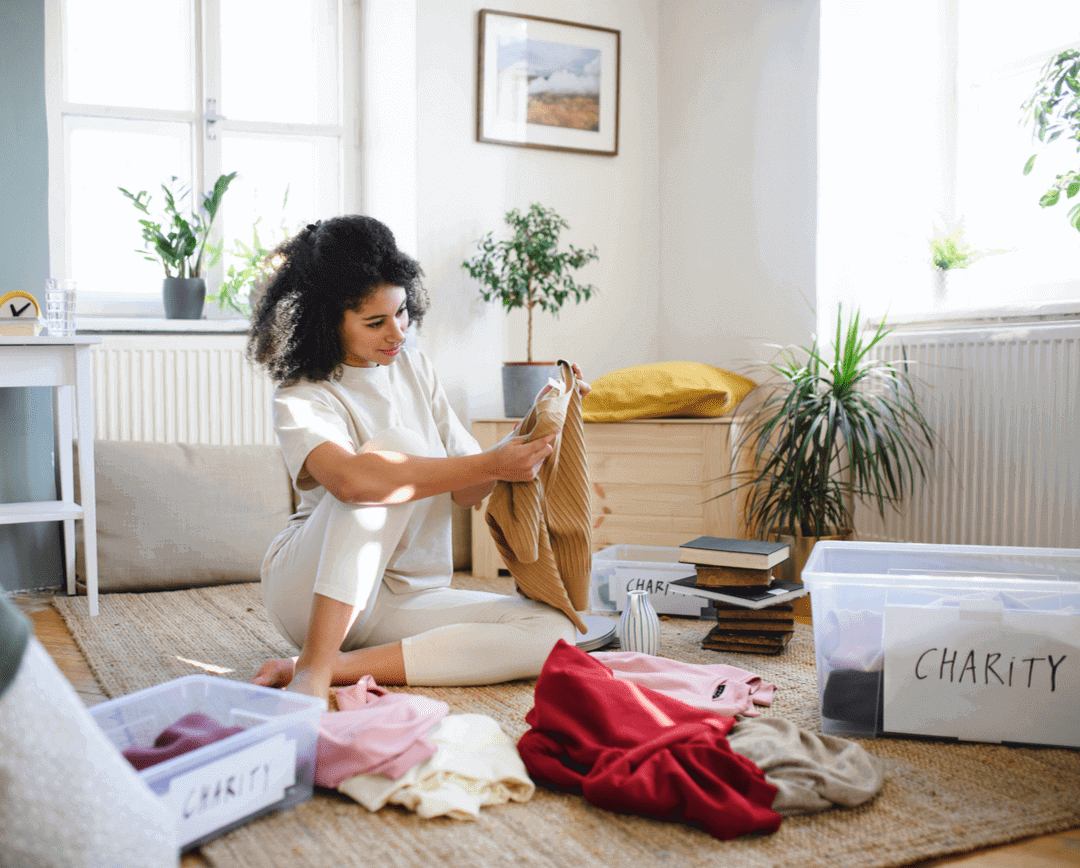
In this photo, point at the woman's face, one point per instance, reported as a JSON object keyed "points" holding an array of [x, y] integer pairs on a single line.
{"points": [[374, 334]]}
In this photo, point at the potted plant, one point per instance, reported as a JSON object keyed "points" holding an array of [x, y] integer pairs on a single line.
{"points": [[528, 270], [949, 251], [1054, 109], [251, 265], [178, 239], [827, 431]]}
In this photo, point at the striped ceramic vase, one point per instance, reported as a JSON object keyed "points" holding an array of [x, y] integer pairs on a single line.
{"points": [[639, 626]]}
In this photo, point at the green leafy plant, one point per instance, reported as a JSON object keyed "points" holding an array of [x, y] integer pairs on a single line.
{"points": [[949, 249], [1054, 111], [178, 238], [528, 270], [251, 266], [831, 430]]}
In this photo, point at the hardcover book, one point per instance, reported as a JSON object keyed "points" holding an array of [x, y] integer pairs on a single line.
{"points": [[778, 591], [743, 553], [725, 577]]}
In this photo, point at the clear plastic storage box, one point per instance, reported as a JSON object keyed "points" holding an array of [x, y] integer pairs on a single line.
{"points": [[619, 568], [269, 766], [978, 643]]}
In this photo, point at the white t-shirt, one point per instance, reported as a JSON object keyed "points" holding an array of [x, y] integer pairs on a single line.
{"points": [[352, 410]]}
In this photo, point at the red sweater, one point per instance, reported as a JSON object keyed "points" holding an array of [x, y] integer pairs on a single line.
{"points": [[633, 750]]}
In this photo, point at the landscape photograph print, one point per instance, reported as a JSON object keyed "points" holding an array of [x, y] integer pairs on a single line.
{"points": [[547, 83]]}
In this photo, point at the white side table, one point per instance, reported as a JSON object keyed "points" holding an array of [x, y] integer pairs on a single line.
{"points": [[63, 363]]}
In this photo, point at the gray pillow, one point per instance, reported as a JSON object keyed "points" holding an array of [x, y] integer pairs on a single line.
{"points": [[181, 515]]}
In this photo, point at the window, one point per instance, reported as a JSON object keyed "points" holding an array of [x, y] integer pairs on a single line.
{"points": [[1002, 49], [141, 91], [919, 124]]}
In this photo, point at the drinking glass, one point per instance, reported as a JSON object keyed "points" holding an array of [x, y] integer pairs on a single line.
{"points": [[60, 307]]}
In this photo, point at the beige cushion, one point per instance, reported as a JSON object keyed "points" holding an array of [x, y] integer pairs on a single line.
{"points": [[178, 515]]}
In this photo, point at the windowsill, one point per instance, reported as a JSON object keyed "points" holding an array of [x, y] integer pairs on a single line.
{"points": [[154, 325], [1011, 314]]}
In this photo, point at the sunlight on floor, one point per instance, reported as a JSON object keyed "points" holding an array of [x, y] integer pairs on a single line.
{"points": [[208, 667]]}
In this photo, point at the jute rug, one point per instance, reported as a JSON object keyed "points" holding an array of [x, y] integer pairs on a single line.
{"points": [[938, 798]]}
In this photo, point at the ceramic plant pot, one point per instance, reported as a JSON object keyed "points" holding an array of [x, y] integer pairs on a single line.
{"points": [[184, 297], [791, 569], [639, 626], [521, 383]]}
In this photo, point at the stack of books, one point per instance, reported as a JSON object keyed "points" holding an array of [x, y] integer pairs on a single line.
{"points": [[754, 611]]}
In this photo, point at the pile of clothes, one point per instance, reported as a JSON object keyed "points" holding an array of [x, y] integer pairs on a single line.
{"points": [[629, 732]]}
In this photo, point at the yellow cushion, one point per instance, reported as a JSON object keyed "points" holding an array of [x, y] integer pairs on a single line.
{"points": [[664, 389]]}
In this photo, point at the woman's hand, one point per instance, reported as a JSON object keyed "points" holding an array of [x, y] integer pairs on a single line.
{"points": [[582, 387], [519, 460]]}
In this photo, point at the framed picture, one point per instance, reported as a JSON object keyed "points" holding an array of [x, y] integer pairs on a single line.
{"points": [[543, 83]]}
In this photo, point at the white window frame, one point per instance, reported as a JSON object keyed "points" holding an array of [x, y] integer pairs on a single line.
{"points": [[206, 160]]}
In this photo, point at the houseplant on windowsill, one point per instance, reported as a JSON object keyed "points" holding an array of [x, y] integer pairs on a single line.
{"points": [[251, 265], [828, 431], [178, 240], [949, 251], [529, 271]]}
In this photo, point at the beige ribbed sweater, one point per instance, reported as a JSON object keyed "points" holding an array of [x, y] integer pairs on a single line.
{"points": [[543, 528]]}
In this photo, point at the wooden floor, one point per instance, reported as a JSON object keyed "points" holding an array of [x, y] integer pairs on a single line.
{"points": [[1051, 851]]}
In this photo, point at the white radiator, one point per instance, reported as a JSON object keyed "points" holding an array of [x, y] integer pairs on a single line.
{"points": [[180, 388], [1002, 401]]}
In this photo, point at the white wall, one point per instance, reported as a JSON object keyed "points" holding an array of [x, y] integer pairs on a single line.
{"points": [[466, 187], [705, 221], [738, 179]]}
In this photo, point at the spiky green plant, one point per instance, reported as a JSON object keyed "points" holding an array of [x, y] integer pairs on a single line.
{"points": [[831, 430]]}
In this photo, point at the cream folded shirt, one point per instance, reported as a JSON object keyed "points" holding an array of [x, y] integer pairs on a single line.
{"points": [[475, 765]]}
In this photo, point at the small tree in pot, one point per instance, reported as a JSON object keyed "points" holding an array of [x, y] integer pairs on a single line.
{"points": [[178, 240], [528, 270]]}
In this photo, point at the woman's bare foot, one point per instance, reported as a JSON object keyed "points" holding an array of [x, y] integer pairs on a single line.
{"points": [[276, 673]]}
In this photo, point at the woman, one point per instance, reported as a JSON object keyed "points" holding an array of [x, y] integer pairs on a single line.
{"points": [[359, 579]]}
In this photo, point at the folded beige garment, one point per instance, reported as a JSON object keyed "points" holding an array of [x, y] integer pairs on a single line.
{"points": [[543, 528]]}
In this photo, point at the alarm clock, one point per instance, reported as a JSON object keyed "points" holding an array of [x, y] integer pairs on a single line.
{"points": [[20, 315]]}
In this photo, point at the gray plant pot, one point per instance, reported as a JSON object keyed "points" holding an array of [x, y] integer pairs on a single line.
{"points": [[521, 381], [184, 297]]}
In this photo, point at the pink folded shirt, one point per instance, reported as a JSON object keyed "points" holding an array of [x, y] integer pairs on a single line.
{"points": [[375, 732], [727, 690]]}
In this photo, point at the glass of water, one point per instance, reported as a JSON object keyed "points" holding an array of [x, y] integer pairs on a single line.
{"points": [[60, 307]]}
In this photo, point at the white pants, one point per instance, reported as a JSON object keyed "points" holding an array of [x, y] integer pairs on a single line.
{"points": [[67, 795], [449, 636]]}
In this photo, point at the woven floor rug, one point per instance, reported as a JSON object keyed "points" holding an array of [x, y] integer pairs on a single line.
{"points": [[938, 798]]}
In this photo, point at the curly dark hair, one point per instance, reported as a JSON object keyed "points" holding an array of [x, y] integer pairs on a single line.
{"points": [[330, 267]]}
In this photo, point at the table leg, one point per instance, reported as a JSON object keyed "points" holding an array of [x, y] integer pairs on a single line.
{"points": [[67, 487], [85, 415]]}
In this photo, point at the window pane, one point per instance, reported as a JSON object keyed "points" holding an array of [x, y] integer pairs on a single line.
{"points": [[283, 182], [280, 60], [129, 53], [1001, 56], [306, 166], [102, 224]]}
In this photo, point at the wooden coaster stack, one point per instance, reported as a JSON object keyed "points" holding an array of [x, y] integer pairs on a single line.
{"points": [[737, 576]]}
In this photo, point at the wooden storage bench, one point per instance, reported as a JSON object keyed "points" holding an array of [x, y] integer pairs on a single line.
{"points": [[652, 483]]}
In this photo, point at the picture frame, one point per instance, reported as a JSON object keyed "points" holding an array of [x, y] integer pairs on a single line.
{"points": [[546, 83]]}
